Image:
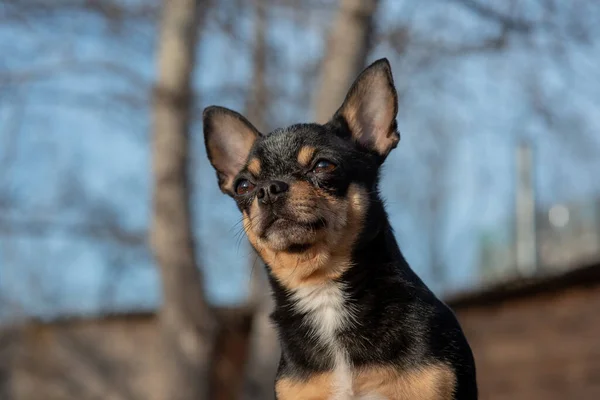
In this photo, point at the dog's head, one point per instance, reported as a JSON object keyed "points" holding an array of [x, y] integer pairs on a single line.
{"points": [[304, 191]]}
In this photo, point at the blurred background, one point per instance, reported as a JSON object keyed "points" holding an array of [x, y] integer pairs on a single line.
{"points": [[123, 270]]}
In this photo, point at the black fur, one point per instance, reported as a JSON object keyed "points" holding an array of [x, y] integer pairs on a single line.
{"points": [[400, 321]]}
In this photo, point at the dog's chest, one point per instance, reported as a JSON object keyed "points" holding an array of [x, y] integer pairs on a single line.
{"points": [[325, 308], [327, 313]]}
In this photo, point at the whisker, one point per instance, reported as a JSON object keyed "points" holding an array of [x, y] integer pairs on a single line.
{"points": [[253, 266]]}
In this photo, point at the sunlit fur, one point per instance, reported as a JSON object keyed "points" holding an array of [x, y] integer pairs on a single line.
{"points": [[354, 321]]}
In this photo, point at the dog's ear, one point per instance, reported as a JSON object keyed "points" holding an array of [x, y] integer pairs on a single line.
{"points": [[370, 109], [228, 137]]}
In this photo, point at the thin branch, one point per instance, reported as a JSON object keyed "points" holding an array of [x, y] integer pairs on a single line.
{"points": [[490, 44], [41, 229], [69, 66], [509, 23], [110, 10]]}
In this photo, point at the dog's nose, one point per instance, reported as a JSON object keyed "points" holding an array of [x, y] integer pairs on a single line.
{"points": [[272, 191]]}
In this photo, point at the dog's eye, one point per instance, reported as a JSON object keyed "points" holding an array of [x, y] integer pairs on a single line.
{"points": [[323, 166], [244, 186]]}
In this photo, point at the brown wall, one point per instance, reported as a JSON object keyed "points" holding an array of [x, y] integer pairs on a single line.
{"points": [[545, 345], [110, 358]]}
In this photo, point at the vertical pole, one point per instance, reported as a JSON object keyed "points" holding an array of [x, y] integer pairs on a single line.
{"points": [[526, 246]]}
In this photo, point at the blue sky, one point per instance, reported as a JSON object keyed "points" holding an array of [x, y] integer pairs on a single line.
{"points": [[480, 103]]}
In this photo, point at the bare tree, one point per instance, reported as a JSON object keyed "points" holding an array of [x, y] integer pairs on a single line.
{"points": [[186, 320], [264, 350], [258, 101], [348, 44]]}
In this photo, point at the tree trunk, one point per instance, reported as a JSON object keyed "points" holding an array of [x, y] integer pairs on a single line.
{"points": [[345, 55], [230, 353], [257, 101], [185, 317], [264, 343], [264, 346]]}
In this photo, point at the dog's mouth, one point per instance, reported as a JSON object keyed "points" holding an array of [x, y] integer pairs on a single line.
{"points": [[282, 223], [285, 233]]}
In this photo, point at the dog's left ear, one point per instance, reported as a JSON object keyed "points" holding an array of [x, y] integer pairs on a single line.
{"points": [[370, 109]]}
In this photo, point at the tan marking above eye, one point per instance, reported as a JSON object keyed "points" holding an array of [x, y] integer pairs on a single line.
{"points": [[305, 155], [254, 166]]}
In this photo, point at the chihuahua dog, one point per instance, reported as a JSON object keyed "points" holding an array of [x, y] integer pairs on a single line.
{"points": [[354, 321]]}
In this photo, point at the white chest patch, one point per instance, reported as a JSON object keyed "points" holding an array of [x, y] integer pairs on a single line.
{"points": [[327, 311]]}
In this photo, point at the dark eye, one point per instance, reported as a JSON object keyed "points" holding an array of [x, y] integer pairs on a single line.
{"points": [[244, 186], [323, 166]]}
